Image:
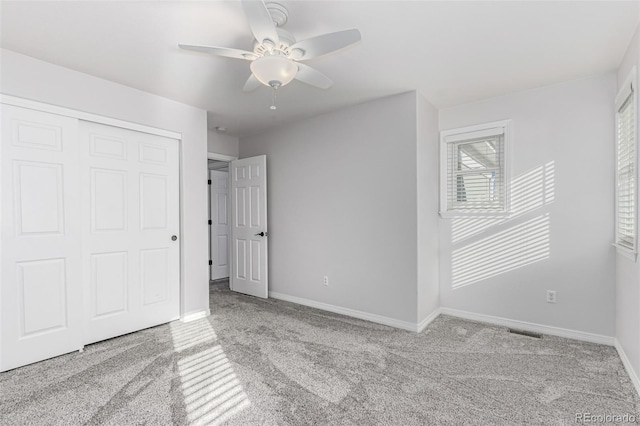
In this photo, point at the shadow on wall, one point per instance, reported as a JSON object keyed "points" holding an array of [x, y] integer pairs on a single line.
{"points": [[211, 390], [520, 239]]}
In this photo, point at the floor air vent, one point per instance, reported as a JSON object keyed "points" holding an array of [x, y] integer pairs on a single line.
{"points": [[526, 333]]}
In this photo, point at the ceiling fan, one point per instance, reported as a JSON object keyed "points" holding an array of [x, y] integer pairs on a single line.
{"points": [[276, 56]]}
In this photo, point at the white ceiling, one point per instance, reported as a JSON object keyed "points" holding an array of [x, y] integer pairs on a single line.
{"points": [[452, 52]]}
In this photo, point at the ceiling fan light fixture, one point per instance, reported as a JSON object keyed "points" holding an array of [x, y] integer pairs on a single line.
{"points": [[274, 70]]}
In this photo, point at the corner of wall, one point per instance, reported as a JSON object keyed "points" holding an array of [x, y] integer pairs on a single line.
{"points": [[628, 366], [427, 189], [627, 272]]}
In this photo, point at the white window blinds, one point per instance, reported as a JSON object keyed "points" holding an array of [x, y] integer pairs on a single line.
{"points": [[475, 170], [626, 170]]}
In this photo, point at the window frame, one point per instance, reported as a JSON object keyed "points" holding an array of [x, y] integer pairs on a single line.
{"points": [[628, 88], [458, 135]]}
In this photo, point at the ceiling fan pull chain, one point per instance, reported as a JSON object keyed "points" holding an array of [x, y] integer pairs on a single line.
{"points": [[273, 101]]}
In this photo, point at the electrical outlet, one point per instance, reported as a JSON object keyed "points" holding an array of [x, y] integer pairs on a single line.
{"points": [[325, 281], [551, 296]]}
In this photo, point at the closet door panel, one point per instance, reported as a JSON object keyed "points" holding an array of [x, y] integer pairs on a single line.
{"points": [[40, 291], [131, 189]]}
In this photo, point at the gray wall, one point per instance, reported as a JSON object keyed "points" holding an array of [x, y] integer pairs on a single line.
{"points": [[559, 237], [342, 203], [222, 144]]}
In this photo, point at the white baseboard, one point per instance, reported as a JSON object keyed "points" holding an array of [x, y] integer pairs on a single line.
{"points": [[529, 326], [192, 316], [379, 319], [627, 366], [419, 327], [504, 322], [428, 320]]}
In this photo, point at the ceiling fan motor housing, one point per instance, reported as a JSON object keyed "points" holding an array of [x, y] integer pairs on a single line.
{"points": [[279, 15], [283, 47]]}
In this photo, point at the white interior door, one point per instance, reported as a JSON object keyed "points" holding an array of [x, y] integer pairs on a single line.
{"points": [[219, 229], [40, 291], [249, 226], [131, 256]]}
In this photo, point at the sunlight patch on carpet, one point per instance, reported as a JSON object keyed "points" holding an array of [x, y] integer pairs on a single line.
{"points": [[211, 390]]}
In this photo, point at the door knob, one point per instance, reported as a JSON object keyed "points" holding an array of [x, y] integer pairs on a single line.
{"points": [[174, 237], [262, 234]]}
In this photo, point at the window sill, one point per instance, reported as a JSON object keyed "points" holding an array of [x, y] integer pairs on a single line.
{"points": [[488, 215], [625, 252]]}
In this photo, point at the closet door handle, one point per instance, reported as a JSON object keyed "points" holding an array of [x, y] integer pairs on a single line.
{"points": [[174, 237]]}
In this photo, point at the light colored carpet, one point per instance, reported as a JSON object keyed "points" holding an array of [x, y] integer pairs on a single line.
{"points": [[276, 363]]}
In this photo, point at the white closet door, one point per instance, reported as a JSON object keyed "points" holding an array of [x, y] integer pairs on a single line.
{"points": [[40, 291], [130, 193]]}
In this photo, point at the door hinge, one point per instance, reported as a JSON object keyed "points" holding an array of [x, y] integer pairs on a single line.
{"points": [[210, 222], [209, 182], [210, 262]]}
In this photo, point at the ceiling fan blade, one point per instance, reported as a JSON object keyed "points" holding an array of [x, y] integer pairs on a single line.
{"points": [[220, 51], [252, 84], [327, 43], [313, 77], [260, 21]]}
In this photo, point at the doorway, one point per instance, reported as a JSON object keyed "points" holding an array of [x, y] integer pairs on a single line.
{"points": [[219, 223], [244, 214]]}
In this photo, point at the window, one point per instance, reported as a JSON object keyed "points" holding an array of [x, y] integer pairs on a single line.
{"points": [[626, 159], [473, 172]]}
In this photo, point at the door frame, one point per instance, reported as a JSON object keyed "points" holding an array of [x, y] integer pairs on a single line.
{"points": [[86, 116], [212, 219], [228, 159], [220, 157], [96, 118]]}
